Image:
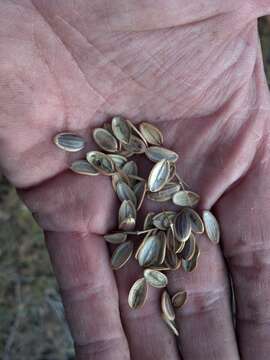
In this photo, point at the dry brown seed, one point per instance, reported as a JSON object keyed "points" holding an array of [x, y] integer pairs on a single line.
{"points": [[211, 226], [137, 294], [69, 142], [121, 255], [148, 221], [196, 221], [179, 299], [135, 145], [190, 265], [152, 251], [102, 162], [126, 210], [185, 198], [166, 306], [170, 324], [165, 194], [121, 129], [156, 153], [140, 191], [116, 238], [119, 160], [127, 224], [171, 260], [151, 133], [83, 167], [159, 175], [105, 140], [189, 249], [124, 192], [164, 219], [182, 226], [155, 278]]}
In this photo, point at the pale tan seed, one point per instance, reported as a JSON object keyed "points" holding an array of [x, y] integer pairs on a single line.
{"points": [[140, 191], [122, 254], [105, 140], [137, 294], [165, 194], [166, 306], [159, 175], [102, 162], [179, 299], [155, 278], [151, 133], [69, 142], [189, 249], [170, 324], [135, 145], [84, 168], [196, 222], [119, 160], [124, 192], [185, 198], [127, 210], [121, 129], [182, 226], [116, 238], [152, 251], [127, 224], [164, 219], [130, 168], [157, 153], [211, 226], [191, 265]]}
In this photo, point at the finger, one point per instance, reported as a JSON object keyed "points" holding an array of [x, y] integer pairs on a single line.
{"points": [[148, 336], [80, 261], [246, 247], [205, 321]]}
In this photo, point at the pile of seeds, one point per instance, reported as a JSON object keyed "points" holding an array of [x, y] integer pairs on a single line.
{"points": [[168, 238]]}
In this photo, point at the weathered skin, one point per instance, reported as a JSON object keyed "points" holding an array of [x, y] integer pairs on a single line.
{"points": [[192, 67]]}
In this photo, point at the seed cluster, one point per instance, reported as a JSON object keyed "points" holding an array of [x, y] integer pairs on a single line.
{"points": [[168, 237]]}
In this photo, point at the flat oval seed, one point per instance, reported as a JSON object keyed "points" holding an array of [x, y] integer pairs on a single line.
{"points": [[122, 254], [130, 168], [171, 260], [211, 226], [148, 221], [166, 306], [159, 175], [185, 198], [105, 140], [179, 299], [165, 194], [137, 294], [118, 160], [119, 177], [164, 219], [196, 222], [69, 142], [83, 167], [189, 249], [101, 162], [170, 324], [182, 226], [121, 129], [127, 224], [140, 191], [152, 250], [116, 238], [124, 192], [156, 153], [151, 133], [135, 145], [126, 210], [191, 265], [155, 278]]}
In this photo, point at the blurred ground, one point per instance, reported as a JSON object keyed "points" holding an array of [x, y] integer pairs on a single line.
{"points": [[31, 320]]}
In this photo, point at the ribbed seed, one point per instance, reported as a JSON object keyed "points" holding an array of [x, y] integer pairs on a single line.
{"points": [[151, 133], [137, 294], [121, 129], [159, 175], [69, 142], [156, 153], [179, 299], [166, 306], [211, 226], [84, 168], [155, 278], [105, 140], [122, 254]]}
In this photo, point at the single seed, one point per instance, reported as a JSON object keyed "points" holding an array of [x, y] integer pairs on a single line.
{"points": [[151, 133], [121, 255], [124, 192], [83, 167], [105, 140], [155, 278], [170, 324], [116, 238], [179, 299], [156, 153], [137, 294], [121, 129], [211, 226], [101, 162], [182, 226], [69, 142], [185, 198], [159, 175], [166, 306]]}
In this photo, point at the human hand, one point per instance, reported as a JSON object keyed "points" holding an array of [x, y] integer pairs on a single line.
{"points": [[194, 69]]}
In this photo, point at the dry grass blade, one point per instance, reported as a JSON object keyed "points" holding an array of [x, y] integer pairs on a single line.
{"points": [[156, 153], [137, 294], [122, 254], [105, 140], [83, 167], [155, 278], [151, 133], [211, 226], [166, 306], [179, 299], [69, 142], [159, 175]]}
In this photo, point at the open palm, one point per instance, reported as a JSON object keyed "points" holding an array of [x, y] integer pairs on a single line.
{"points": [[192, 67]]}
